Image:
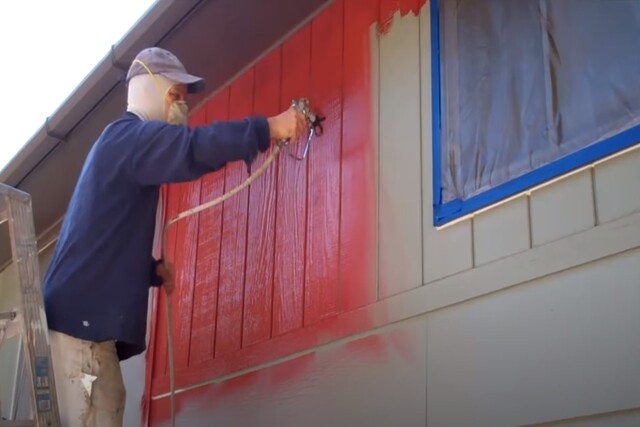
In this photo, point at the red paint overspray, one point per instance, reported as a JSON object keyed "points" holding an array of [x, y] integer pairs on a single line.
{"points": [[357, 202], [358, 210], [209, 397], [294, 377]]}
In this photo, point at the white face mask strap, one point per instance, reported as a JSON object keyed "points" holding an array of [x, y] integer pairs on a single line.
{"points": [[153, 77]]}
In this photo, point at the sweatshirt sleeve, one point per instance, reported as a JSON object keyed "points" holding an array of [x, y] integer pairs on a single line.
{"points": [[164, 153]]}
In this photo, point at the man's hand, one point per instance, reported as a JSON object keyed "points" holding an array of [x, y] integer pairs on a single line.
{"points": [[287, 125], [166, 273]]}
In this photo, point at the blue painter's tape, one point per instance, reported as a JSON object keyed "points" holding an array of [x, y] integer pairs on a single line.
{"points": [[449, 211], [435, 101], [455, 209]]}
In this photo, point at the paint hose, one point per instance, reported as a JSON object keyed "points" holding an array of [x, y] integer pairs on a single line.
{"points": [[262, 169]]}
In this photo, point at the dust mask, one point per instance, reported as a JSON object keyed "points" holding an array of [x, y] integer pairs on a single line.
{"points": [[178, 113], [149, 104]]}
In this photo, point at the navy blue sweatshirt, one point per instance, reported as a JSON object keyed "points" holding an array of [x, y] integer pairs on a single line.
{"points": [[97, 284]]}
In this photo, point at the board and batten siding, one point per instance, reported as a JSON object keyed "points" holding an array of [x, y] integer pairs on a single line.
{"points": [[324, 295]]}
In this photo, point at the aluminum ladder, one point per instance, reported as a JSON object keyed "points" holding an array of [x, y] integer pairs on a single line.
{"points": [[16, 210]]}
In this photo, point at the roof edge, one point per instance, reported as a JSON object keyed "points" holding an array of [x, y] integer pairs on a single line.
{"points": [[157, 22]]}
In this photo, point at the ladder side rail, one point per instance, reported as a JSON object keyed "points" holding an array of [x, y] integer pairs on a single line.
{"points": [[36, 338]]}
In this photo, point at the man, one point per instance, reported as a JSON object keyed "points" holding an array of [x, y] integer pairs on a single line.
{"points": [[96, 286]]}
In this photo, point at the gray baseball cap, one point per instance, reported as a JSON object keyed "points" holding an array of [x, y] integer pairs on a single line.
{"points": [[161, 61]]}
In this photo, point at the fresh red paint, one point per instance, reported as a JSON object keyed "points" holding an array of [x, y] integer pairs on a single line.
{"points": [[291, 198], [258, 300], [290, 263], [323, 195], [205, 301], [234, 234]]}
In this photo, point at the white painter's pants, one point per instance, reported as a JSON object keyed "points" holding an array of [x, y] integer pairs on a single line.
{"points": [[88, 381]]}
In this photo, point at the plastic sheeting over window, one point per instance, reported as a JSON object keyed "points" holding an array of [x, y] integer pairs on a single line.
{"points": [[525, 83]]}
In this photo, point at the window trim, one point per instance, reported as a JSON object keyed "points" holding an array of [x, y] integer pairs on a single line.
{"points": [[444, 213]]}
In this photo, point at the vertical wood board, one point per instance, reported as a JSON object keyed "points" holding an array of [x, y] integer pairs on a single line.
{"points": [[258, 302], [400, 195], [323, 189], [234, 233], [208, 260], [291, 210]]}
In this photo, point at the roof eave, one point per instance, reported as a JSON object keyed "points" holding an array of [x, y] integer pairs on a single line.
{"points": [[150, 29], [216, 39]]}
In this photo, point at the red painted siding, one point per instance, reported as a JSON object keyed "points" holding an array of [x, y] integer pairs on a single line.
{"points": [[262, 215], [291, 261], [205, 302], [291, 208], [234, 234], [323, 195]]}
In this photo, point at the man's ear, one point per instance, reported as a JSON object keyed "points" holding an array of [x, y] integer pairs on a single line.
{"points": [[169, 97]]}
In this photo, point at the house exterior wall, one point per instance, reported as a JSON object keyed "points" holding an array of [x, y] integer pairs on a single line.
{"points": [[324, 295]]}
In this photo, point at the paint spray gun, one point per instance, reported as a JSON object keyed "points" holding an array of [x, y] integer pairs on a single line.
{"points": [[314, 122]]}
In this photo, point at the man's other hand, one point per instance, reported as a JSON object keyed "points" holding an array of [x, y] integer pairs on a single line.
{"points": [[166, 273]]}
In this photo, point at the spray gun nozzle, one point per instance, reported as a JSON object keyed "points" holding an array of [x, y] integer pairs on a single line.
{"points": [[314, 122]]}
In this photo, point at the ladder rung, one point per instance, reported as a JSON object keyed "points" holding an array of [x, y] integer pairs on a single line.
{"points": [[8, 315]]}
